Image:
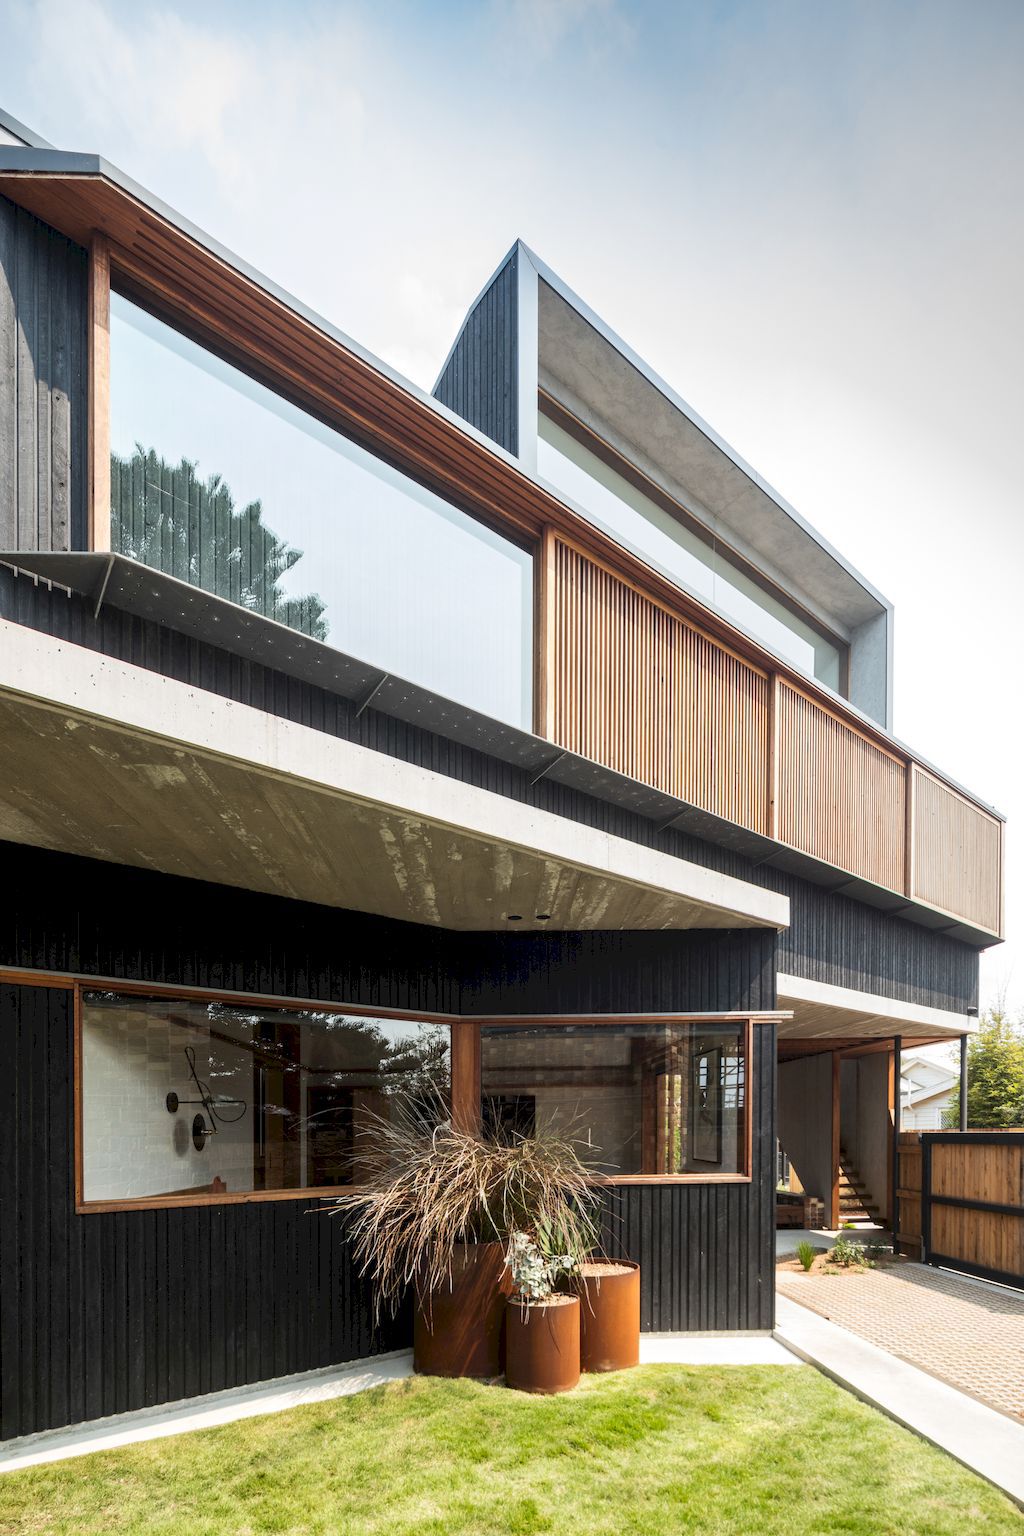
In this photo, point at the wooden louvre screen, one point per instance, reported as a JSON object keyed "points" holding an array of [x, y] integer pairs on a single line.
{"points": [[638, 689], [840, 798], [957, 853]]}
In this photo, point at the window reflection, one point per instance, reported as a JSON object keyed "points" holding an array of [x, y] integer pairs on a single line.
{"points": [[218, 481], [182, 1097], [638, 1098]]}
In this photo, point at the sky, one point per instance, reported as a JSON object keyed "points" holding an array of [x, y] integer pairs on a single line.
{"points": [[808, 218]]}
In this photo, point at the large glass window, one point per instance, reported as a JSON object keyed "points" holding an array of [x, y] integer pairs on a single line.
{"points": [[643, 1098], [219, 481], [182, 1097], [651, 531]]}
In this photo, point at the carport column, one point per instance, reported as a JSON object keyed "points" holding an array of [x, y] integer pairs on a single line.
{"points": [[833, 1215], [894, 1213], [963, 1081]]}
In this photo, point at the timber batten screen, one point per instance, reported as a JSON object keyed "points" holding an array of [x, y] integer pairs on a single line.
{"points": [[957, 853], [638, 689], [841, 798]]}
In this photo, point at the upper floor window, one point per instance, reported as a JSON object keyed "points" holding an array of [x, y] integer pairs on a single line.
{"points": [[702, 567], [219, 481]]}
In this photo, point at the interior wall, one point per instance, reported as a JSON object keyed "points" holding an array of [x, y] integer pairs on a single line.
{"points": [[805, 1121], [131, 1146]]}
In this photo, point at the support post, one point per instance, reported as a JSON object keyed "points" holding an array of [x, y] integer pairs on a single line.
{"points": [[897, 1052], [963, 1081], [833, 1217]]}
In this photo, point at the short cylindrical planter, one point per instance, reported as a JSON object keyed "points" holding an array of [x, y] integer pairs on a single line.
{"points": [[458, 1329], [609, 1315], [542, 1345]]}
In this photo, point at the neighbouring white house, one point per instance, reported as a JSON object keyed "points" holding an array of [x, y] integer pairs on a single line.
{"points": [[927, 1087]]}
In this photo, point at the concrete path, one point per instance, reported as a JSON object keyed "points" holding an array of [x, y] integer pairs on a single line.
{"points": [[341, 1381], [713, 1349], [965, 1331], [988, 1442], [203, 1412]]}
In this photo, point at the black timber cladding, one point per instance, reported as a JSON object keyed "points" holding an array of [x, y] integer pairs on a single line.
{"points": [[831, 937], [480, 380], [106, 1312], [43, 384]]}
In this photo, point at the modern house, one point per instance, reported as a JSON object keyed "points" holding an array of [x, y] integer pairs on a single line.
{"points": [[928, 1089], [518, 739]]}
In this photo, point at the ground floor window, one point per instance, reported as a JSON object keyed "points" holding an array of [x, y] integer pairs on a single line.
{"points": [[184, 1097], [642, 1098]]}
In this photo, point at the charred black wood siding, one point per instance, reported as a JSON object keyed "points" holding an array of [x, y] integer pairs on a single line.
{"points": [[831, 938], [480, 381], [110, 1311], [706, 1251], [102, 1314], [43, 385]]}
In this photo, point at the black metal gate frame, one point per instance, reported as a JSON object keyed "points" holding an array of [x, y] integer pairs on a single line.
{"points": [[928, 1199]]}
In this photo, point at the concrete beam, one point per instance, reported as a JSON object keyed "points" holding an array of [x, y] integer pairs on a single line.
{"points": [[822, 1011], [111, 761]]}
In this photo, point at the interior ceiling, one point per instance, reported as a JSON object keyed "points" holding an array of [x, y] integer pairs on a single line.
{"points": [[83, 785]]}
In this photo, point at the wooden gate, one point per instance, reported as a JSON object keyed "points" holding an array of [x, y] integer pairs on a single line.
{"points": [[972, 1202]]}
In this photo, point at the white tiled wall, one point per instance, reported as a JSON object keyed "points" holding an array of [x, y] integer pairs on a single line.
{"points": [[132, 1146]]}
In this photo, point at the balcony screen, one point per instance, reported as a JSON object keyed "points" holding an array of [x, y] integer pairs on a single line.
{"points": [[262, 1098], [651, 531], [217, 480], [638, 1098]]}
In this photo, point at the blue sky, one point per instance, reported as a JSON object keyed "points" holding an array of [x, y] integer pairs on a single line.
{"points": [[808, 217]]}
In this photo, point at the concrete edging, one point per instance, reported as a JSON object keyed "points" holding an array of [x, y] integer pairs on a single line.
{"points": [[980, 1438]]}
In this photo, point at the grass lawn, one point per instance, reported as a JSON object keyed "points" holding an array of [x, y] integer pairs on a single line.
{"points": [[656, 1450]]}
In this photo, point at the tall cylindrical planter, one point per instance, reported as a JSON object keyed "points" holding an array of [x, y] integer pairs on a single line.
{"points": [[542, 1345], [457, 1329], [609, 1315]]}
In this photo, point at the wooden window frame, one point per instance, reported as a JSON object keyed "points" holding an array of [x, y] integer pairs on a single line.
{"points": [[465, 1074]]}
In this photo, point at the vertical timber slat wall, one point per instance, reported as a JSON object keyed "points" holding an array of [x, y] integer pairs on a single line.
{"points": [[957, 853], [841, 798], [706, 1251], [43, 381], [480, 381], [646, 694]]}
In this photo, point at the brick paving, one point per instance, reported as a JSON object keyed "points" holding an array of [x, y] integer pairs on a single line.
{"points": [[965, 1332]]}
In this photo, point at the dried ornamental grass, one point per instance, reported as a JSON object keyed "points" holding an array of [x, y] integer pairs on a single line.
{"points": [[422, 1190]]}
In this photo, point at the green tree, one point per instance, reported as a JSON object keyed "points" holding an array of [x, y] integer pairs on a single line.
{"points": [[166, 516], [995, 1074]]}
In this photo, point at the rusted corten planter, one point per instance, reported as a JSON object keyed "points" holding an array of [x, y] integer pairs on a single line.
{"points": [[609, 1314], [458, 1330], [542, 1345]]}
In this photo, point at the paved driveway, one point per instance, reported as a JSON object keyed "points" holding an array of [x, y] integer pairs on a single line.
{"points": [[964, 1331]]}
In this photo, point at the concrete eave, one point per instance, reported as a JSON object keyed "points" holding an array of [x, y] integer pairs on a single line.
{"points": [[822, 1012], [114, 762]]}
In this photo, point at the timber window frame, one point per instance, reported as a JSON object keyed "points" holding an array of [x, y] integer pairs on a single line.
{"points": [[465, 1074]]}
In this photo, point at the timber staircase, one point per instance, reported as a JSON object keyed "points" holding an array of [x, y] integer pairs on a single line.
{"points": [[856, 1206]]}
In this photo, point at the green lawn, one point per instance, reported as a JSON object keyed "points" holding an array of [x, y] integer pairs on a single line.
{"points": [[656, 1450]]}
